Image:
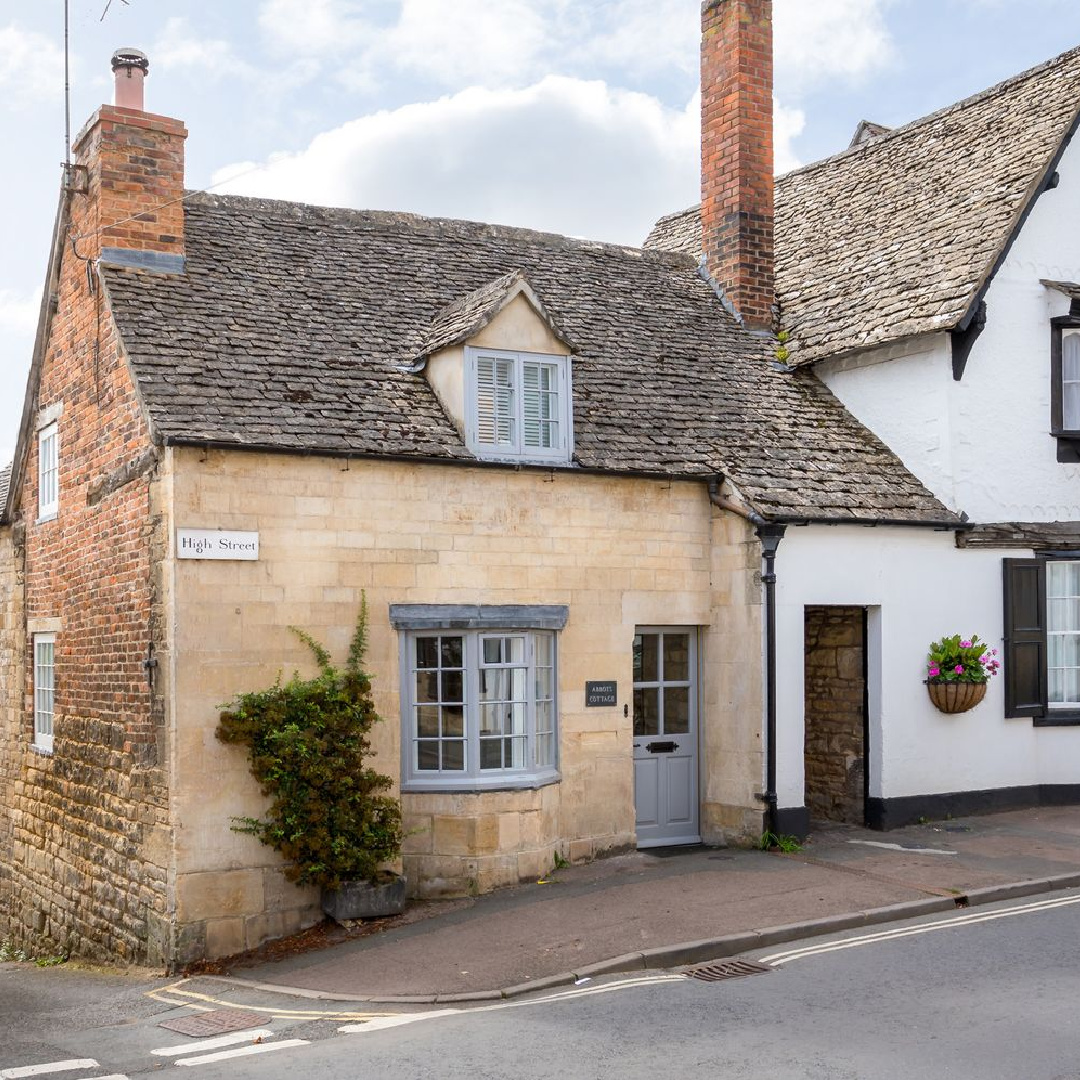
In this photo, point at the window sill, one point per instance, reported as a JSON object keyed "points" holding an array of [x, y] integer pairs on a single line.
{"points": [[1062, 718], [1068, 446], [47, 517], [41, 751], [481, 454], [468, 786]]}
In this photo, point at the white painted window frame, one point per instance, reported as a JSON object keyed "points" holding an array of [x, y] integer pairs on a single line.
{"points": [[49, 472], [1057, 706], [44, 690], [472, 777], [517, 450]]}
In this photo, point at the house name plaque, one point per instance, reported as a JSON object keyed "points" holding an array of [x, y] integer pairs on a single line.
{"points": [[217, 544], [601, 693]]}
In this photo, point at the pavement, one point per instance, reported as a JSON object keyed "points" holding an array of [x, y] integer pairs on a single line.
{"points": [[677, 906]]}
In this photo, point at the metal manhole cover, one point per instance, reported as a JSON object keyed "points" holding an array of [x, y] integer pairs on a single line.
{"points": [[218, 1022], [729, 969]]}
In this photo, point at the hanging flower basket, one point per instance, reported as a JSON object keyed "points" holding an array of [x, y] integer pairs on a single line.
{"points": [[956, 697], [957, 672]]}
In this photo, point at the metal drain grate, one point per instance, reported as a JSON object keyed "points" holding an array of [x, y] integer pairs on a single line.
{"points": [[729, 969], [218, 1022]]}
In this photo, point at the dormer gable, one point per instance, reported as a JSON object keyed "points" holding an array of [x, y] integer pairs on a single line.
{"points": [[500, 365]]}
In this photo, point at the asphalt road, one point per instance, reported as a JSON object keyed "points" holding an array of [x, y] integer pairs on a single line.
{"points": [[990, 993]]}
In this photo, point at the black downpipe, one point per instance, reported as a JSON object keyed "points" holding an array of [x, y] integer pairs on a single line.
{"points": [[770, 537]]}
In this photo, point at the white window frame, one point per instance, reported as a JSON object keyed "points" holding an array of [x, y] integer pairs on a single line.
{"points": [[472, 777], [1070, 706], [1068, 423], [44, 690], [49, 472], [515, 448]]}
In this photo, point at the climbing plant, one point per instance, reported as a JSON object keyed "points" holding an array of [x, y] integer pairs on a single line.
{"points": [[307, 739]]}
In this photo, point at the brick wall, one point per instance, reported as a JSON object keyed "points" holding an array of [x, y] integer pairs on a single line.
{"points": [[834, 713], [89, 853], [737, 153]]}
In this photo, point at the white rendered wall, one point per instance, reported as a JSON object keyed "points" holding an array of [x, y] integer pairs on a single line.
{"points": [[982, 445], [918, 587]]}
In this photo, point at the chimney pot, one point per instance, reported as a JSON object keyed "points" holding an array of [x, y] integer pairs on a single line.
{"points": [[130, 67]]}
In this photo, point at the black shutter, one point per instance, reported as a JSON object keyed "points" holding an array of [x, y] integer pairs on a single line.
{"points": [[1025, 637]]}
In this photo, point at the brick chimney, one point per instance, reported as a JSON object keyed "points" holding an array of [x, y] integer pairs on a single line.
{"points": [[737, 154], [134, 171]]}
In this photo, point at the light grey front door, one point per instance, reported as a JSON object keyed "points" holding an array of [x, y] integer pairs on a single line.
{"points": [[665, 736]]}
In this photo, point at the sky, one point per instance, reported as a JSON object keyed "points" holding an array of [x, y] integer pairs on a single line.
{"points": [[575, 116]]}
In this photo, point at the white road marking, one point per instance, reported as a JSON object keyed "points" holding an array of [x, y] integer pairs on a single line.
{"points": [[111, 1076], [243, 1051], [382, 1022], [50, 1067], [250, 1035], [776, 959], [900, 847]]}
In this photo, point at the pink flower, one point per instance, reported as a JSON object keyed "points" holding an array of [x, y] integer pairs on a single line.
{"points": [[935, 672], [959, 669], [965, 644]]}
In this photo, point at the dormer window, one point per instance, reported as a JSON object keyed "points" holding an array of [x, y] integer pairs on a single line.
{"points": [[518, 405]]}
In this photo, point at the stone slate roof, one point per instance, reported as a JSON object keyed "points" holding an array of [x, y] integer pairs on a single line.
{"points": [[898, 235], [464, 318], [293, 325]]}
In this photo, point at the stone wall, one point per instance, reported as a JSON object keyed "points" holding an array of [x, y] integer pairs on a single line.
{"points": [[834, 718], [12, 650], [619, 552]]}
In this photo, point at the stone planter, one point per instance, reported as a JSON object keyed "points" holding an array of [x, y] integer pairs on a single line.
{"points": [[956, 697], [362, 900]]}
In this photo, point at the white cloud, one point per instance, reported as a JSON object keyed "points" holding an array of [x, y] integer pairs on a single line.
{"points": [[828, 39], [565, 155], [178, 46], [28, 62], [313, 27], [788, 125]]}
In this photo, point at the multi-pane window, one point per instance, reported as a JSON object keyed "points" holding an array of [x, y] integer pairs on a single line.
{"points": [[1063, 634], [48, 471], [481, 708], [44, 689], [1070, 380], [662, 683], [519, 405]]}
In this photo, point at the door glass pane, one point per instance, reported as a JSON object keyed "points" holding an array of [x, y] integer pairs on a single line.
{"points": [[645, 666], [646, 712], [676, 657], [676, 710]]}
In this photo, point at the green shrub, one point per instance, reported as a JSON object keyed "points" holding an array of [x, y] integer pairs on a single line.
{"points": [[307, 740]]}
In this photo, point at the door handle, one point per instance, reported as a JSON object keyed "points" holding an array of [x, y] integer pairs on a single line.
{"points": [[662, 747]]}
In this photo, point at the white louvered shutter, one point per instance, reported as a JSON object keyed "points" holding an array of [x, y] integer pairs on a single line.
{"points": [[495, 401]]}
